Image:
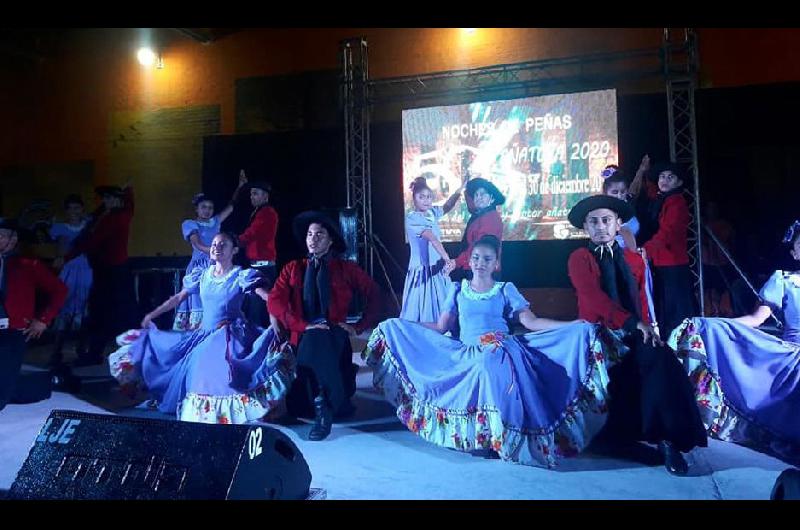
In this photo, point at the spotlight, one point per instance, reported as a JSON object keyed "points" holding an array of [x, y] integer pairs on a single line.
{"points": [[469, 31], [146, 56]]}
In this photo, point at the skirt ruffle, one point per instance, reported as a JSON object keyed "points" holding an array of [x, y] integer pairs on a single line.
{"points": [[723, 419], [484, 425], [249, 390]]}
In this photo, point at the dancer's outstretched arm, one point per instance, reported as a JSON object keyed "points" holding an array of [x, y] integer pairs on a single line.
{"points": [[171, 303], [444, 324], [431, 238], [756, 318], [228, 210], [534, 323]]}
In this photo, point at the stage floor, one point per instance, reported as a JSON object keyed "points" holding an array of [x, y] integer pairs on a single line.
{"points": [[373, 456]]}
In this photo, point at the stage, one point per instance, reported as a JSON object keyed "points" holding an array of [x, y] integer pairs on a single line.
{"points": [[373, 456]]}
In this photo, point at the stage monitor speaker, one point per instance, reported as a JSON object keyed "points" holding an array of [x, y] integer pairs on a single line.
{"points": [[787, 487], [93, 456]]}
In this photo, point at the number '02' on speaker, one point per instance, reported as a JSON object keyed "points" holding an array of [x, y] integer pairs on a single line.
{"points": [[93, 456]]}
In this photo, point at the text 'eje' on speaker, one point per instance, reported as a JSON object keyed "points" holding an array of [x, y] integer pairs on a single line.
{"points": [[78, 455]]}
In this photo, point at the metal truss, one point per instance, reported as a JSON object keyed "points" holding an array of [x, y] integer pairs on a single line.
{"points": [[355, 75], [533, 77], [680, 72], [675, 61]]}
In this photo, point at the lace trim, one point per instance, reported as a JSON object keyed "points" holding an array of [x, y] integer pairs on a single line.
{"points": [[222, 279], [474, 295], [209, 223]]}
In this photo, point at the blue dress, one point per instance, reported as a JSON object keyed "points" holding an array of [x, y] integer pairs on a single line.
{"points": [[633, 226], [426, 286], [532, 398], [747, 382], [226, 371], [77, 275], [189, 314]]}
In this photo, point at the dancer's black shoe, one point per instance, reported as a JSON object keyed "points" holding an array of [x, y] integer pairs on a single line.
{"points": [[674, 462], [323, 420]]}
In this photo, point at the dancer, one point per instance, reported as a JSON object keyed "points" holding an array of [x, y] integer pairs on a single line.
{"points": [[485, 220], [616, 185], [652, 399], [532, 398], [22, 281], [199, 233], [668, 212], [311, 298], [104, 241], [226, 371], [77, 275], [426, 282], [258, 241], [747, 382]]}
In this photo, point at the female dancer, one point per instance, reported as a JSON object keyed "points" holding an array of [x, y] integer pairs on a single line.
{"points": [[227, 370], [427, 282], [747, 382], [76, 274], [531, 398], [616, 185], [199, 232]]}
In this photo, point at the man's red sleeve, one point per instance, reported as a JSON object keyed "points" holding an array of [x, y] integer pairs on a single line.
{"points": [[594, 304], [279, 303], [105, 228], [264, 226], [673, 222], [53, 287]]}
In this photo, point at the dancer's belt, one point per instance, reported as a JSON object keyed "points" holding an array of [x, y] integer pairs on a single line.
{"points": [[263, 263]]}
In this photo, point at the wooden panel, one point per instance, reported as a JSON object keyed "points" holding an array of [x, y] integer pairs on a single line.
{"points": [[161, 153]]}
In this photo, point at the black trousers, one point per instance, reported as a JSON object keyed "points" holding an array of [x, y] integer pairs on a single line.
{"points": [[673, 297], [652, 399], [12, 350], [324, 363], [112, 307], [253, 307]]}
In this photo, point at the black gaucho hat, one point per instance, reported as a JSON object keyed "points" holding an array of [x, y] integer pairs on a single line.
{"points": [[260, 184], [491, 189], [676, 169], [578, 214], [304, 220], [114, 191]]}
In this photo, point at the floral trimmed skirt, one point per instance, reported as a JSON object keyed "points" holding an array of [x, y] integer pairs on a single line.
{"points": [[533, 398], [189, 314], [232, 374], [747, 383]]}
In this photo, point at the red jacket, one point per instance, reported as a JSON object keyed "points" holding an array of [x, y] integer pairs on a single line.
{"points": [[25, 278], [286, 298], [259, 237], [489, 223], [107, 242], [594, 304], [668, 246]]}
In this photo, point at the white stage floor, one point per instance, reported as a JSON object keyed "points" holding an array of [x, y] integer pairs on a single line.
{"points": [[374, 457]]}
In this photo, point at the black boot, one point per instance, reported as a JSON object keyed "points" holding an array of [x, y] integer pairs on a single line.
{"points": [[674, 462], [323, 419]]}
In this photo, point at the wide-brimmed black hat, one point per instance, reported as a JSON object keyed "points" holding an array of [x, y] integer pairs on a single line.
{"points": [[114, 191], [673, 168], [260, 184], [304, 220], [578, 214], [491, 189]]}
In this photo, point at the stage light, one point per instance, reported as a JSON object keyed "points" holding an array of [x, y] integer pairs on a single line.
{"points": [[147, 57], [469, 31]]}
